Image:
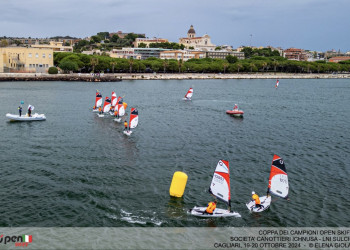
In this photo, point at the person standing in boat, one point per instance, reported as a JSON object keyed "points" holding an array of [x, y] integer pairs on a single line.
{"points": [[211, 207], [235, 107], [20, 110], [29, 111], [256, 198], [125, 125]]}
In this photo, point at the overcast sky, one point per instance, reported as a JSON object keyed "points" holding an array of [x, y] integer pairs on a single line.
{"points": [[308, 24]]}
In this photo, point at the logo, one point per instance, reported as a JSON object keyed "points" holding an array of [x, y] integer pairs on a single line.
{"points": [[20, 241]]}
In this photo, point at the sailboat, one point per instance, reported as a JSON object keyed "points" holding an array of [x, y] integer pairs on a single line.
{"points": [[106, 107], [134, 120], [98, 101], [278, 185], [120, 109], [277, 83], [188, 95], [113, 100], [220, 188]]}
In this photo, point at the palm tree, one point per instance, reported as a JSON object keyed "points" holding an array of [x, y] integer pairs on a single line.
{"points": [[131, 62], [275, 65], [239, 66], [264, 64], [225, 64], [252, 65], [94, 63], [113, 63], [165, 64], [179, 64]]}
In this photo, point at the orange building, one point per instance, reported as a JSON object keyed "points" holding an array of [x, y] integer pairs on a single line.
{"points": [[339, 59]]}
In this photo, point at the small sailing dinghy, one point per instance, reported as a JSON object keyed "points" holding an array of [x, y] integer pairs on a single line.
{"points": [[235, 112], [120, 109], [188, 95], [278, 185], [277, 83], [114, 99], [98, 101], [220, 188], [134, 120], [106, 107]]}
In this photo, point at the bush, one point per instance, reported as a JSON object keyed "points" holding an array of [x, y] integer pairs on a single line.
{"points": [[53, 70]]}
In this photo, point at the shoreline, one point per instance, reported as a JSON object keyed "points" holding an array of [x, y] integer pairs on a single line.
{"points": [[160, 76]]}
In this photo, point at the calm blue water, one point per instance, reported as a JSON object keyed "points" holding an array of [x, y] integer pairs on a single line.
{"points": [[76, 169]]}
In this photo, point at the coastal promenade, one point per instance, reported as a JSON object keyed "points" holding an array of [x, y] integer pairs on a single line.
{"points": [[159, 76]]}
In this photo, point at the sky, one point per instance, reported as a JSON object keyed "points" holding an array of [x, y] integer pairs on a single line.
{"points": [[319, 25]]}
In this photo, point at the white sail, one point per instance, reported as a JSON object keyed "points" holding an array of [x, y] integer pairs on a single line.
{"points": [[189, 93], [134, 118], [121, 110], [114, 99], [278, 180], [220, 184]]}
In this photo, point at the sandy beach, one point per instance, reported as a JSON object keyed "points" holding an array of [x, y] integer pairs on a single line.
{"points": [[159, 76]]}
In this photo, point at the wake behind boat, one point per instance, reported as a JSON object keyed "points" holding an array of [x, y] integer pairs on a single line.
{"points": [[220, 188], [278, 185], [23, 118]]}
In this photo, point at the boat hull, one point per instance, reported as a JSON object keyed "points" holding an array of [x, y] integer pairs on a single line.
{"points": [[25, 118], [218, 212], [236, 113], [127, 132], [265, 201]]}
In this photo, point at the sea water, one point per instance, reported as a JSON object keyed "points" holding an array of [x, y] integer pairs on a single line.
{"points": [[76, 169]]}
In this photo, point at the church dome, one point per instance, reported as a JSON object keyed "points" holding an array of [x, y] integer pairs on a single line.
{"points": [[191, 30]]}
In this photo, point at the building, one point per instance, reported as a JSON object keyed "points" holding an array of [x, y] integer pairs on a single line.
{"points": [[295, 54], [222, 54], [201, 43], [339, 59], [183, 55], [126, 53], [148, 41], [55, 46], [21, 59]]}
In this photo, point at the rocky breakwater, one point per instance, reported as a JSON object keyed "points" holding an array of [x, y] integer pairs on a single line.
{"points": [[68, 78]]}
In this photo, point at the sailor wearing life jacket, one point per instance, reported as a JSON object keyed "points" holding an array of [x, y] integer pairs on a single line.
{"points": [[256, 198], [211, 207], [125, 125]]}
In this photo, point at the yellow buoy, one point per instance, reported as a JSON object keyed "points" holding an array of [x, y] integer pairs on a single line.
{"points": [[178, 184], [125, 105]]}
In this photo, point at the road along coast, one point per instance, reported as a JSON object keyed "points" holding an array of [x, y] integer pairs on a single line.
{"points": [[160, 76]]}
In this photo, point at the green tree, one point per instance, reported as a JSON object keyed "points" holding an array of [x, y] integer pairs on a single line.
{"points": [[142, 45], [68, 66], [131, 63], [4, 43], [93, 63], [232, 59], [103, 35], [165, 65], [53, 70], [114, 38], [248, 52], [96, 39]]}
